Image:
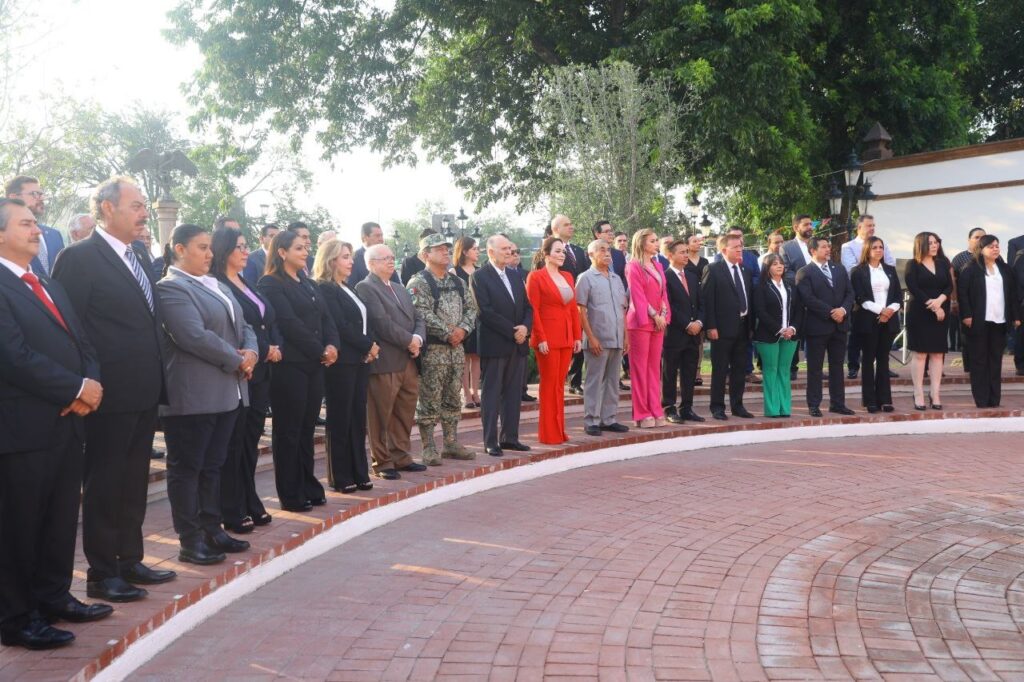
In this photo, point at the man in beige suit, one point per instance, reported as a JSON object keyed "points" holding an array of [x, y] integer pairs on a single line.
{"points": [[394, 379]]}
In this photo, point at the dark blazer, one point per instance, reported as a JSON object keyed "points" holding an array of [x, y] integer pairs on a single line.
{"points": [[255, 266], [684, 308], [127, 336], [1013, 247], [499, 313], [349, 321], [768, 310], [865, 321], [793, 258], [359, 270], [618, 264], [265, 325], [41, 365], [54, 245], [819, 298], [664, 261], [302, 317], [972, 295], [582, 262], [699, 268], [410, 266], [751, 261], [721, 302]]}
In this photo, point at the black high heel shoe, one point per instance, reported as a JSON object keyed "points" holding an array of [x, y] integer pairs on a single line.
{"points": [[934, 406], [922, 408]]}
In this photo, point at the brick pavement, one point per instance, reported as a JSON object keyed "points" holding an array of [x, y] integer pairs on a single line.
{"points": [[831, 560]]}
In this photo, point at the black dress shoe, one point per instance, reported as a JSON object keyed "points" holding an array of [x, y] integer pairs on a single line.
{"points": [[365, 485], [792, 376], [592, 430], [303, 507], [320, 421], [347, 489], [615, 427], [156, 454], [495, 452], [387, 475], [888, 408], [690, 415], [140, 574], [872, 409], [200, 553], [75, 611], [852, 374], [318, 502], [36, 634], [576, 390], [719, 414], [814, 411], [698, 382], [527, 398], [225, 543], [515, 445], [114, 589], [672, 417], [623, 387], [841, 409], [742, 412], [893, 375], [415, 466]]}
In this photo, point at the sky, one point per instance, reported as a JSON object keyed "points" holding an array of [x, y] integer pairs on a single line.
{"points": [[113, 51]]}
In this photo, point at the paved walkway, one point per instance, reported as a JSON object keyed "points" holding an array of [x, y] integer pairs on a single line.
{"points": [[847, 558]]}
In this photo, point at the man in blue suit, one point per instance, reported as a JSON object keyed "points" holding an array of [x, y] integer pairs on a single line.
{"points": [[752, 262], [603, 230], [27, 189], [257, 262]]}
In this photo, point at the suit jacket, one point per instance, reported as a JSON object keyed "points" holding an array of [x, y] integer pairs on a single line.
{"points": [[394, 319], [581, 259], [499, 313], [126, 334], [1013, 246], [793, 258], [349, 321], [768, 310], [722, 303], [204, 334], [410, 266], [264, 326], [684, 309], [255, 266], [645, 291], [555, 322], [662, 261], [819, 298], [751, 261], [865, 321], [302, 318], [41, 365], [54, 245], [360, 271], [972, 295], [618, 264]]}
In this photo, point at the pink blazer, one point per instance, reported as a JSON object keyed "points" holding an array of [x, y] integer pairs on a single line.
{"points": [[645, 290]]}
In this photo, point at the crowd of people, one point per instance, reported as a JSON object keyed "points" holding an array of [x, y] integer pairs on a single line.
{"points": [[102, 345]]}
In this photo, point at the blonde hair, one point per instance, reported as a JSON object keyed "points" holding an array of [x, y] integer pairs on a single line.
{"points": [[637, 248], [323, 264]]}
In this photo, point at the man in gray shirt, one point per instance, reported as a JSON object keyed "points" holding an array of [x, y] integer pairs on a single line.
{"points": [[601, 295]]}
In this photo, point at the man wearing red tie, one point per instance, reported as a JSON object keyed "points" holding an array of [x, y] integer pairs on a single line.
{"points": [[48, 382]]}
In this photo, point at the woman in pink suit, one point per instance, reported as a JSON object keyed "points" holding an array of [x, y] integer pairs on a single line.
{"points": [[646, 319], [556, 335]]}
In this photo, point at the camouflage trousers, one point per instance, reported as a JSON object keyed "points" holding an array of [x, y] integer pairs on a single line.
{"points": [[440, 384]]}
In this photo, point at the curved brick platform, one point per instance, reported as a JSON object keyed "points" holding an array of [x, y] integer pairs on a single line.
{"points": [[828, 559]]}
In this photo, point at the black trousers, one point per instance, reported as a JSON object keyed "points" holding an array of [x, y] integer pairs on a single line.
{"points": [[296, 391], [197, 446], [818, 347], [500, 380], [853, 352], [346, 387], [678, 368], [118, 447], [986, 342], [1018, 348], [875, 385], [238, 496], [576, 371], [728, 360], [39, 495]]}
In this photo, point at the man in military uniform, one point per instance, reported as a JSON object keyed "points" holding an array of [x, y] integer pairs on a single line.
{"points": [[450, 312]]}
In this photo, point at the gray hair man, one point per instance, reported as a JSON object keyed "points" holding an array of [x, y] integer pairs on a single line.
{"points": [[601, 297], [80, 227]]}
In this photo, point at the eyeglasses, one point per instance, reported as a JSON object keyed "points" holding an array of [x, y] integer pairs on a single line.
{"points": [[244, 248], [386, 259], [515, 253], [35, 194]]}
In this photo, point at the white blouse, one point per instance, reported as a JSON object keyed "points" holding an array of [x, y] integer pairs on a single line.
{"points": [[780, 287], [879, 291], [359, 304], [995, 303]]}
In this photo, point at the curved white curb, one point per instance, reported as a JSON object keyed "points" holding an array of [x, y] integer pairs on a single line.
{"points": [[151, 644]]}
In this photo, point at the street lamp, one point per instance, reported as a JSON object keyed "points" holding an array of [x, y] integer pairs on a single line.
{"points": [[705, 223], [446, 227], [461, 220], [865, 197], [835, 198], [694, 204]]}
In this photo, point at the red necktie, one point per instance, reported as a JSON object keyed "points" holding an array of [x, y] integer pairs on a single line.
{"points": [[40, 293], [682, 277]]}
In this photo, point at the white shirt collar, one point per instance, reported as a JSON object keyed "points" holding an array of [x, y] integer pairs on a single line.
{"points": [[16, 269], [119, 247]]}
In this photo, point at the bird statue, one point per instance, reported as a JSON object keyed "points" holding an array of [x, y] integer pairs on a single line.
{"points": [[159, 165]]}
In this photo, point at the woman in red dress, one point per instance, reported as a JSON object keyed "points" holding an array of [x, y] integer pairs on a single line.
{"points": [[556, 335]]}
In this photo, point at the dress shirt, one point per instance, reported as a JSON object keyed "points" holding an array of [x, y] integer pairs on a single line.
{"points": [[212, 284], [850, 257], [734, 272], [603, 294], [119, 247], [880, 292], [995, 304], [804, 250], [780, 287], [503, 276], [358, 302]]}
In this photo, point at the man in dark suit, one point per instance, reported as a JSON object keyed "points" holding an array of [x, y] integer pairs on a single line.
{"points": [[257, 262], [827, 298], [414, 263], [48, 380], [603, 230], [576, 263], [506, 318], [371, 234], [111, 287], [795, 255], [27, 189], [682, 337], [725, 293], [662, 255]]}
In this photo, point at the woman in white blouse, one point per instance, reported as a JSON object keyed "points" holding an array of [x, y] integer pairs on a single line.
{"points": [[878, 297], [989, 308], [777, 309]]}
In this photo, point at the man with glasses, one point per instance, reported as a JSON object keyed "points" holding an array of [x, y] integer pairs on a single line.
{"points": [[27, 189]]}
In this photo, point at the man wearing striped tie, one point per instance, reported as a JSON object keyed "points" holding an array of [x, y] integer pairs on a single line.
{"points": [[109, 281]]}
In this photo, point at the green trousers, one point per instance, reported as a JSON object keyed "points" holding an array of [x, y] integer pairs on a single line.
{"points": [[775, 360]]}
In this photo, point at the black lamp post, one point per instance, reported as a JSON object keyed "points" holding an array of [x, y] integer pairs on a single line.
{"points": [[694, 205], [705, 223], [855, 192], [446, 227]]}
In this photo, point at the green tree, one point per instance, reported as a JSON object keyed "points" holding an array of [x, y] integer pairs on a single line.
{"points": [[997, 81]]}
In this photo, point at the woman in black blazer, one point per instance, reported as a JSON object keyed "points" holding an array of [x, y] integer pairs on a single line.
{"points": [[348, 378], [980, 279], [310, 343], [775, 334], [241, 506], [878, 298]]}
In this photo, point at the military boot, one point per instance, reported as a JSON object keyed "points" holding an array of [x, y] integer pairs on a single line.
{"points": [[452, 448], [429, 454]]}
